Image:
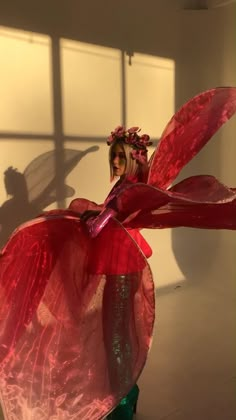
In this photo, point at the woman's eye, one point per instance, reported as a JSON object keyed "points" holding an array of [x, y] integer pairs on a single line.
{"points": [[121, 156]]}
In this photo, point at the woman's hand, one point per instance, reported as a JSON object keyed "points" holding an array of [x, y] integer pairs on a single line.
{"points": [[97, 220], [88, 214]]}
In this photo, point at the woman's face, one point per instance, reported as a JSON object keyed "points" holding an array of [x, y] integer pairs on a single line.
{"points": [[118, 160]]}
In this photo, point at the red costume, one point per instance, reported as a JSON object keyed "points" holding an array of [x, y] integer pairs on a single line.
{"points": [[55, 281]]}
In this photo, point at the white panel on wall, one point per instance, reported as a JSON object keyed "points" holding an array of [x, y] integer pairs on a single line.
{"points": [[25, 82], [150, 92], [91, 83]]}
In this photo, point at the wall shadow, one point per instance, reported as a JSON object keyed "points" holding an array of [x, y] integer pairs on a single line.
{"points": [[35, 189]]}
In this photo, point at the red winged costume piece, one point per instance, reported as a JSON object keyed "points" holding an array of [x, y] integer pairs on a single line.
{"points": [[53, 356]]}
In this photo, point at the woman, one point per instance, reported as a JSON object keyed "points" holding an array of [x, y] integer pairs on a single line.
{"points": [[128, 161], [82, 333], [65, 348]]}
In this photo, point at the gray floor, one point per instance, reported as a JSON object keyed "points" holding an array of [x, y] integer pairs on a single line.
{"points": [[191, 370]]}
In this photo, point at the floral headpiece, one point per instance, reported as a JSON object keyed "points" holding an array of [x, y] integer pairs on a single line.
{"points": [[138, 143]]}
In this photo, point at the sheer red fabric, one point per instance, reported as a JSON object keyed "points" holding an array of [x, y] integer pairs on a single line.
{"points": [[188, 131], [53, 355], [199, 201], [76, 314]]}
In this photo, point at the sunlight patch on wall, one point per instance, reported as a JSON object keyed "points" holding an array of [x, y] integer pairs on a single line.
{"points": [[25, 82], [91, 177], [91, 85], [100, 90], [150, 92]]}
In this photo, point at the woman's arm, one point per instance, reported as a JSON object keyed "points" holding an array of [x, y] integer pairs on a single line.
{"points": [[95, 225]]}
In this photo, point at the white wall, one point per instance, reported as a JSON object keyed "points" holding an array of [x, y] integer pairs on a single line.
{"points": [[192, 368]]}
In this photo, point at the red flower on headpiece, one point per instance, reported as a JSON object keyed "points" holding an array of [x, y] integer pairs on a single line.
{"points": [[133, 130], [139, 155], [119, 131], [144, 140]]}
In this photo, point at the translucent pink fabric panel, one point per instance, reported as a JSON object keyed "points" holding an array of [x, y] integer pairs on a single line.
{"points": [[56, 339], [188, 131], [199, 201]]}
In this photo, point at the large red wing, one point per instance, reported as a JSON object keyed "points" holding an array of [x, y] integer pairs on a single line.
{"points": [[188, 131], [199, 201]]}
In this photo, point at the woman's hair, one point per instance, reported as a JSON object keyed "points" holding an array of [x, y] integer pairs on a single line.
{"points": [[133, 168]]}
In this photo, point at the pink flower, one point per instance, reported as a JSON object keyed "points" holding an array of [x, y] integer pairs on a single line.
{"points": [[119, 131], [110, 140], [132, 138], [133, 130], [139, 155], [144, 138]]}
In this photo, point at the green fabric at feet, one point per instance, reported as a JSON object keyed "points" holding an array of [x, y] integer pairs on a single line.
{"points": [[126, 408]]}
